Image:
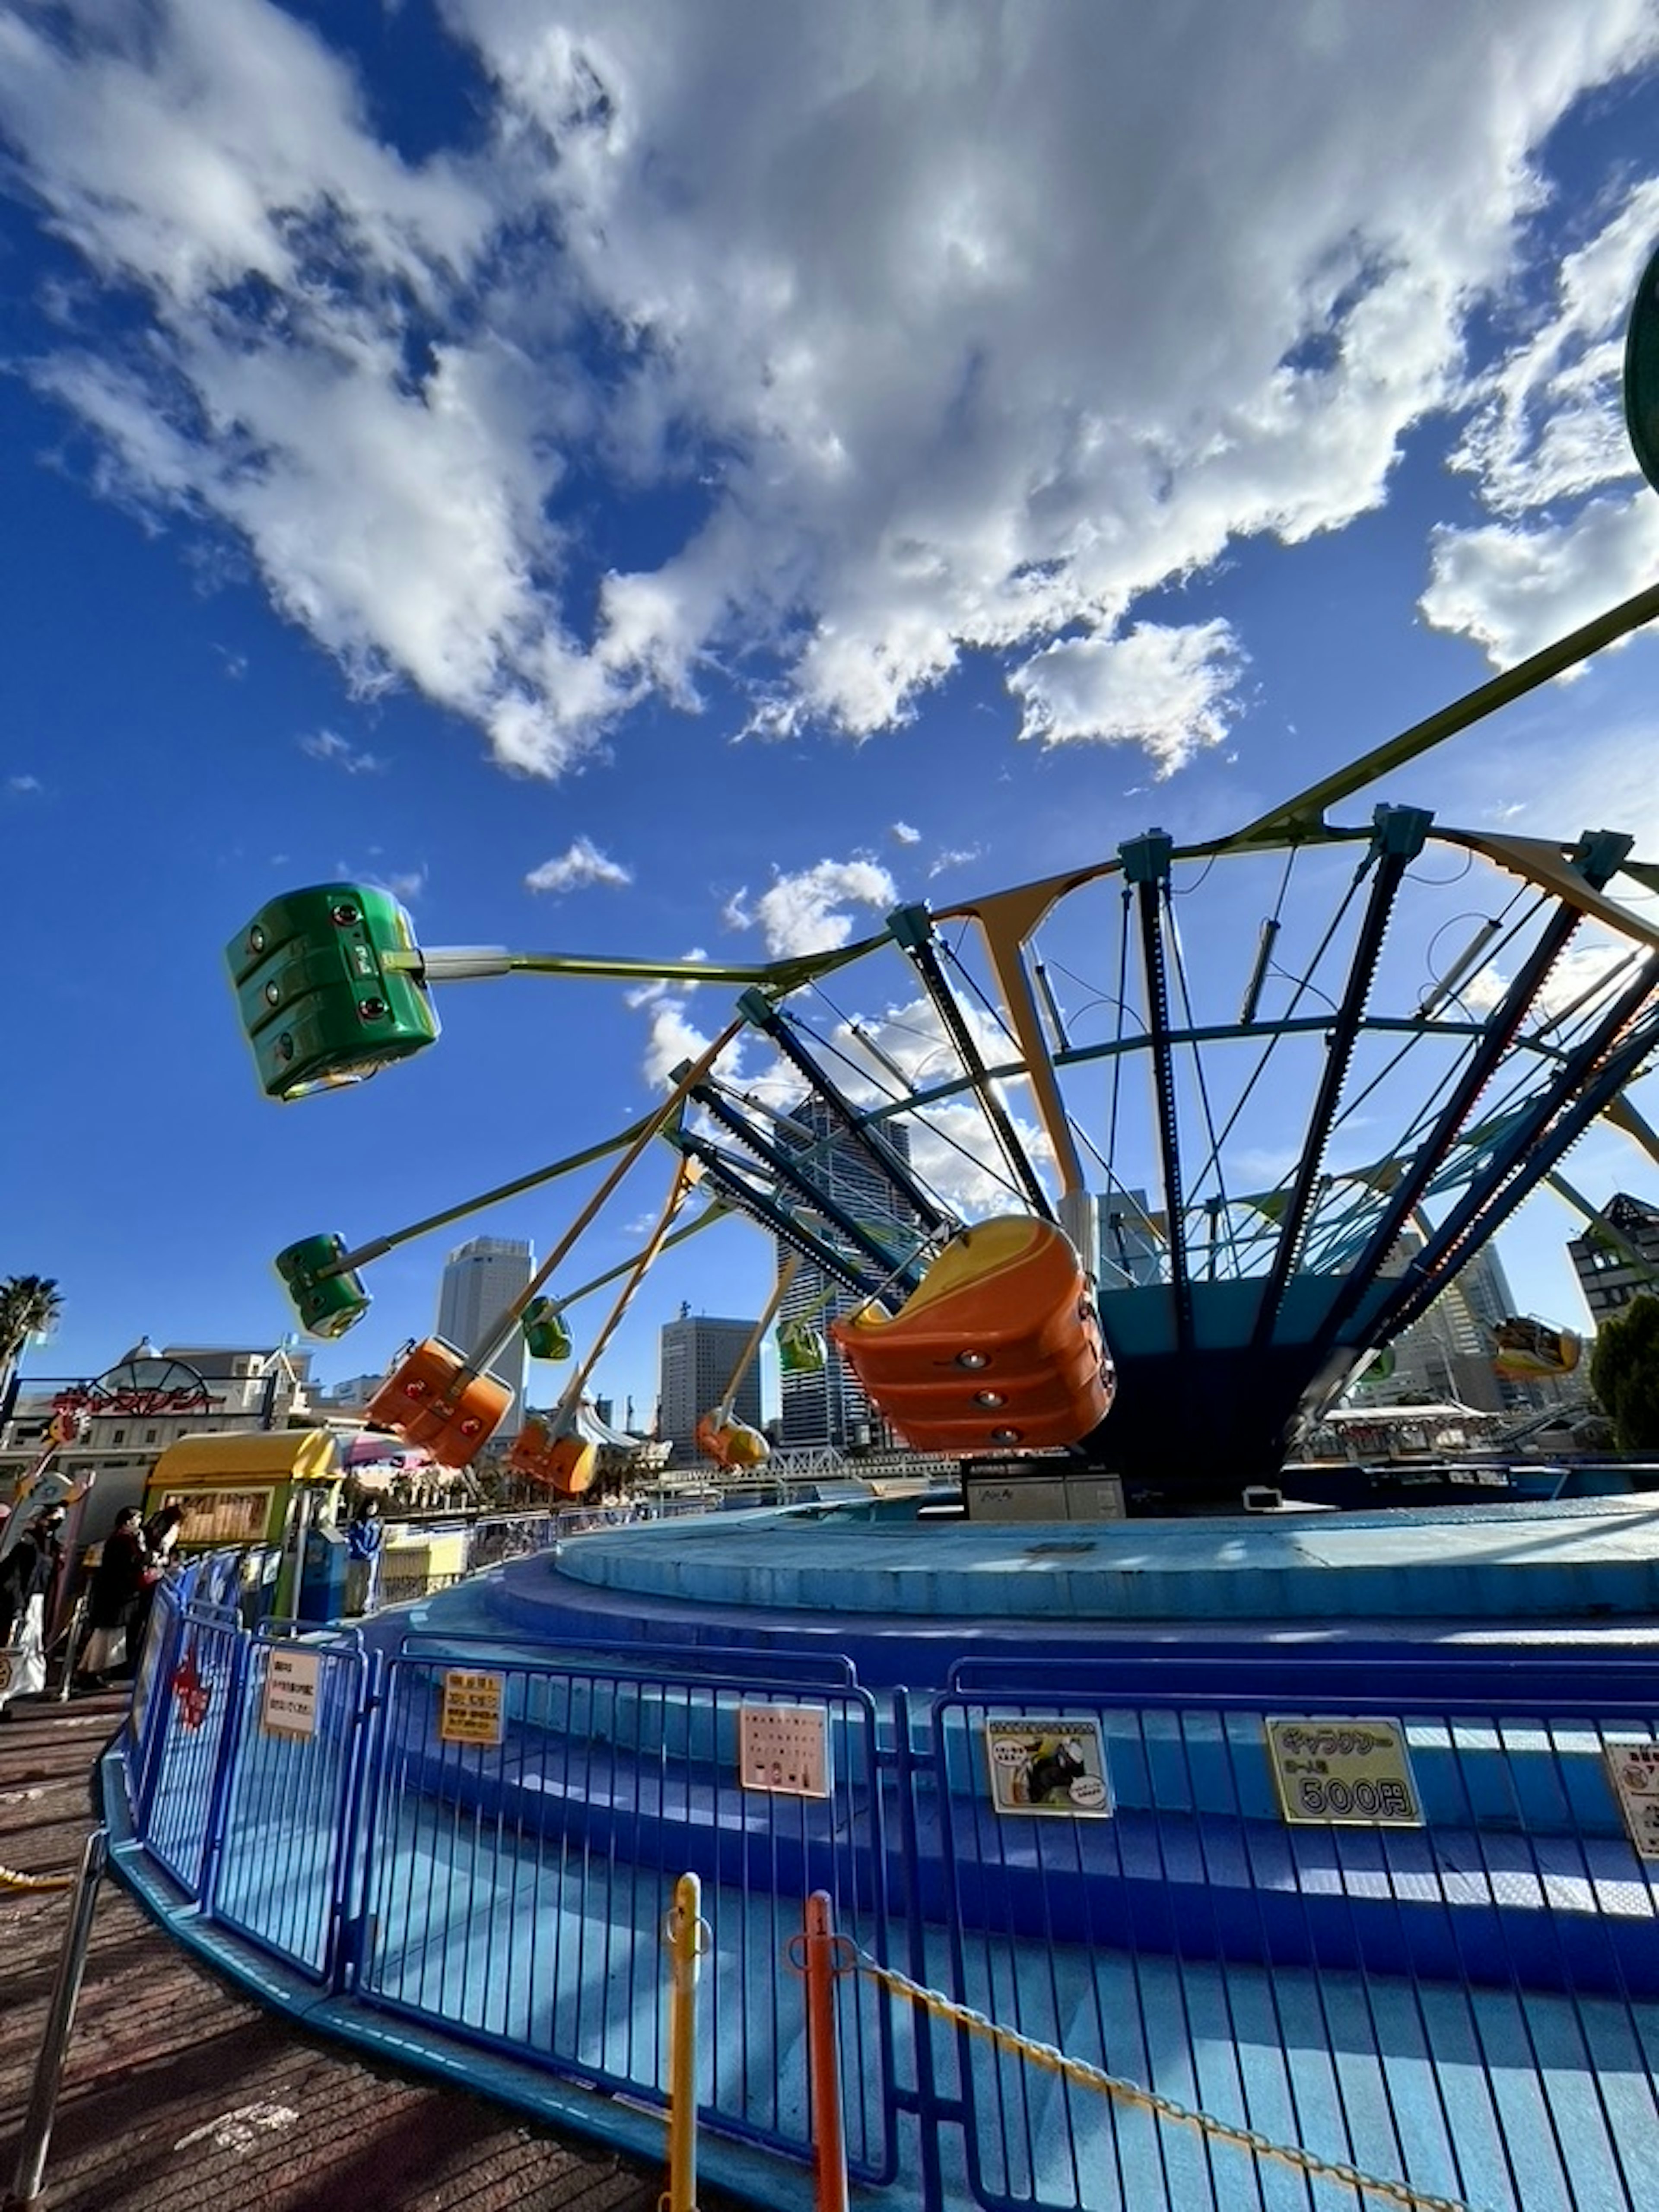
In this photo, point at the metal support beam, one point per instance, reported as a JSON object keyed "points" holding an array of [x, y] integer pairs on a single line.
{"points": [[891, 1265], [1399, 838], [885, 1158], [1597, 1070], [731, 1178], [1146, 868], [912, 930]]}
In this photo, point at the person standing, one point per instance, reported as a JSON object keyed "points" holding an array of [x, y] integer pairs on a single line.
{"points": [[26, 1579], [364, 1538], [112, 1602], [161, 1534]]}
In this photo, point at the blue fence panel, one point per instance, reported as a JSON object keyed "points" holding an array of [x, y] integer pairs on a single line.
{"points": [[516, 1890], [1471, 2006], [283, 1869], [196, 1697]]}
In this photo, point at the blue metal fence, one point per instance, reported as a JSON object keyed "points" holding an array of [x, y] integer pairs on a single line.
{"points": [[1468, 2004]]}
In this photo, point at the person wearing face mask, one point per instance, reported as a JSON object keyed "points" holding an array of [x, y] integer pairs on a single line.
{"points": [[27, 1575]]}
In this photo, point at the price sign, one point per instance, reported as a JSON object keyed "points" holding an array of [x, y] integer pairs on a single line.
{"points": [[287, 1705], [1344, 1772], [1054, 1767], [471, 1708], [1634, 1769], [784, 1749]]}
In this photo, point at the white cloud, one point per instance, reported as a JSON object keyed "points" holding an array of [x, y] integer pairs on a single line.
{"points": [[673, 1037], [406, 883], [963, 337], [573, 870], [953, 856], [1514, 587], [903, 834], [809, 911], [1168, 691], [328, 745], [24, 785], [1547, 447]]}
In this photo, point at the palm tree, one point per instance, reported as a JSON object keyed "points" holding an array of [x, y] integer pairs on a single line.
{"points": [[29, 1306]]}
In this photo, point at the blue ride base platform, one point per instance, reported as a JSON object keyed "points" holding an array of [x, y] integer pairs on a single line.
{"points": [[904, 1599]]}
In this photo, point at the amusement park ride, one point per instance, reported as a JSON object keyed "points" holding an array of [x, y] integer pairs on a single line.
{"points": [[1140, 1293]]}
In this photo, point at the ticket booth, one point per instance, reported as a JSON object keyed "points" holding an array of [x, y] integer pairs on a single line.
{"points": [[246, 1489]]}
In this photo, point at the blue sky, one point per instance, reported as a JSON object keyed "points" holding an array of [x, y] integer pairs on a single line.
{"points": [[737, 468]]}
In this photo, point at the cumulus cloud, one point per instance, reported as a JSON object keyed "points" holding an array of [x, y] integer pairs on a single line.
{"points": [[947, 330], [810, 911], [1168, 691], [903, 834], [573, 870], [328, 745], [1573, 529]]}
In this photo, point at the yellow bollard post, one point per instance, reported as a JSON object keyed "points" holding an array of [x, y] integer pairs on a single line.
{"points": [[685, 1932]]}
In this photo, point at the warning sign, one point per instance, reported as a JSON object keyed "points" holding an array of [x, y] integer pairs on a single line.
{"points": [[1056, 1767], [288, 1703], [1344, 1772], [472, 1709], [784, 1749], [1634, 1768]]}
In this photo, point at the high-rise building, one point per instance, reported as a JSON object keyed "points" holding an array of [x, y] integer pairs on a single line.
{"points": [[828, 1406], [1116, 1240], [697, 1356], [481, 1281], [1447, 1356], [1613, 1269]]}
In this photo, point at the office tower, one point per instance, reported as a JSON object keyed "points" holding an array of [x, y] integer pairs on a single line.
{"points": [[481, 1279], [698, 1356], [1116, 1240], [1614, 1270], [828, 1407]]}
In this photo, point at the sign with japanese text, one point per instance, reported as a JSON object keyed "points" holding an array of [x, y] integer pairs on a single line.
{"points": [[784, 1749], [471, 1708], [1344, 1771], [1054, 1767], [1634, 1769], [288, 1704]]}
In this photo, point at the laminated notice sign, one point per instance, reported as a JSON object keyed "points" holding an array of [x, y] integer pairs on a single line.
{"points": [[1634, 1768], [1054, 1766], [472, 1709], [784, 1749], [1343, 1772], [288, 1704]]}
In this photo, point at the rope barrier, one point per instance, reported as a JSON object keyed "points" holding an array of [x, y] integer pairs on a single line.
{"points": [[1131, 2092], [11, 1878]]}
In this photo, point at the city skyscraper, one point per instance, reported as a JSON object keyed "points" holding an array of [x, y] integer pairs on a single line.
{"points": [[697, 1356], [828, 1406], [481, 1279]]}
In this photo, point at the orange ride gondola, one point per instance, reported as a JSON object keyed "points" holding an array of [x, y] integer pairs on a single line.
{"points": [[998, 1349], [560, 1457], [433, 1397]]}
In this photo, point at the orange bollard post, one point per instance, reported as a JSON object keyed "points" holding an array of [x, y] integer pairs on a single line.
{"points": [[824, 2055]]}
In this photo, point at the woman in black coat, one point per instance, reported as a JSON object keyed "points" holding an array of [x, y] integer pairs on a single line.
{"points": [[112, 1603]]}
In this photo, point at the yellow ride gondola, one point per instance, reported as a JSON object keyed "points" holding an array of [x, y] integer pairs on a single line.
{"points": [[732, 1445], [1526, 1348]]}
